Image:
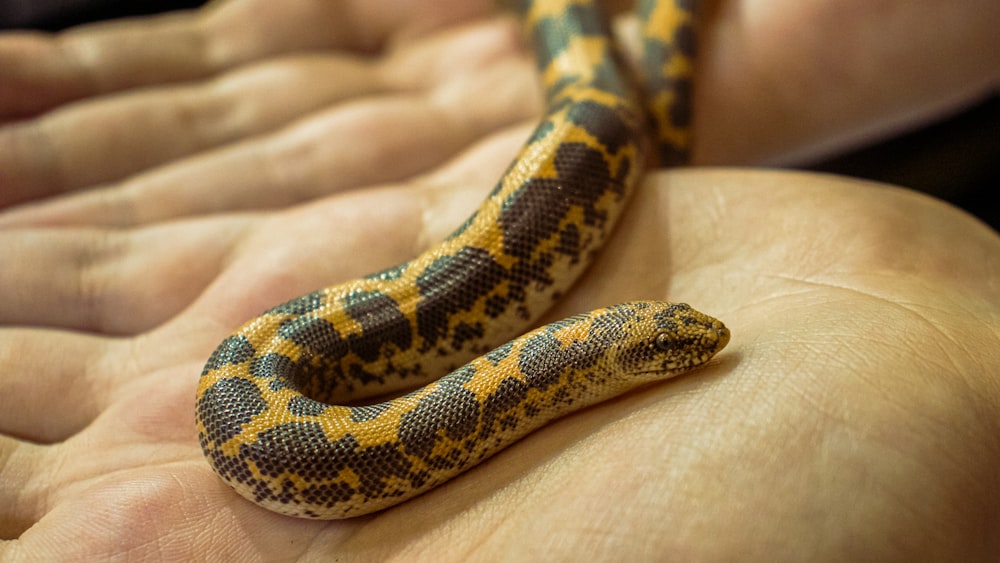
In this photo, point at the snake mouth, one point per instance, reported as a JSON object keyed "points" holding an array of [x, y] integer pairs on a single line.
{"points": [[722, 334]]}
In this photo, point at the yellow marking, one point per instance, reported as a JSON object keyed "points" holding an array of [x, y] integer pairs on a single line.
{"points": [[551, 9], [664, 19], [577, 62]]}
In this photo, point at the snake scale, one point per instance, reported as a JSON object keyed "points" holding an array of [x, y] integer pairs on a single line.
{"points": [[272, 408]]}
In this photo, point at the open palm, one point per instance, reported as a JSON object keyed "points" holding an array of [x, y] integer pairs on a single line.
{"points": [[855, 410]]}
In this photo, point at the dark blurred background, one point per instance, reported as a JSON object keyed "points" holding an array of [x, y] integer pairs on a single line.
{"points": [[956, 159], [53, 15]]}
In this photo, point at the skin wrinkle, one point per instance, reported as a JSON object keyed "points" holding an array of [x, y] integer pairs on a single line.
{"points": [[952, 351], [56, 168], [907, 412], [101, 248], [293, 149], [122, 206], [17, 453], [271, 163], [97, 381], [204, 124]]}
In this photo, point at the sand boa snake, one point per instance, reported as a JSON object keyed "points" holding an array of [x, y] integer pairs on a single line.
{"points": [[271, 412]]}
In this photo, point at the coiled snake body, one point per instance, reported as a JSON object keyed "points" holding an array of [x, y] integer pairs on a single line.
{"points": [[270, 412]]}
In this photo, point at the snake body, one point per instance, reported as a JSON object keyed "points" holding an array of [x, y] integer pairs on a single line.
{"points": [[271, 413]]}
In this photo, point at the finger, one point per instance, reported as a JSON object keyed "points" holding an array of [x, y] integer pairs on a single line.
{"points": [[422, 116], [484, 161], [113, 282], [42, 71], [329, 152], [86, 278], [112, 137], [46, 70]]}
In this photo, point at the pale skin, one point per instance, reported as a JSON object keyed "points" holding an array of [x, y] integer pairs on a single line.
{"points": [[854, 414]]}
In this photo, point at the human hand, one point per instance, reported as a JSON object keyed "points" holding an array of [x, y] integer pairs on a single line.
{"points": [[783, 441], [854, 411], [232, 107]]}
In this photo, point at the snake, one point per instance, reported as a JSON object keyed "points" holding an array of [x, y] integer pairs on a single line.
{"points": [[287, 407]]}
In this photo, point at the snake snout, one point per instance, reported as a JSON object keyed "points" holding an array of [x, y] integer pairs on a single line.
{"points": [[722, 334]]}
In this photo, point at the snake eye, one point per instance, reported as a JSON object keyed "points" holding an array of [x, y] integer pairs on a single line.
{"points": [[663, 342]]}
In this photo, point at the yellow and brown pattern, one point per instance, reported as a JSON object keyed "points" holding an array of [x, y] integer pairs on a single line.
{"points": [[269, 412]]}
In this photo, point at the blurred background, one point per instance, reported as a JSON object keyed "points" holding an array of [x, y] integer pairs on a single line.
{"points": [[956, 159]]}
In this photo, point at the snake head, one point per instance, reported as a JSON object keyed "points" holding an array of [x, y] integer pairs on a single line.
{"points": [[665, 339]]}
